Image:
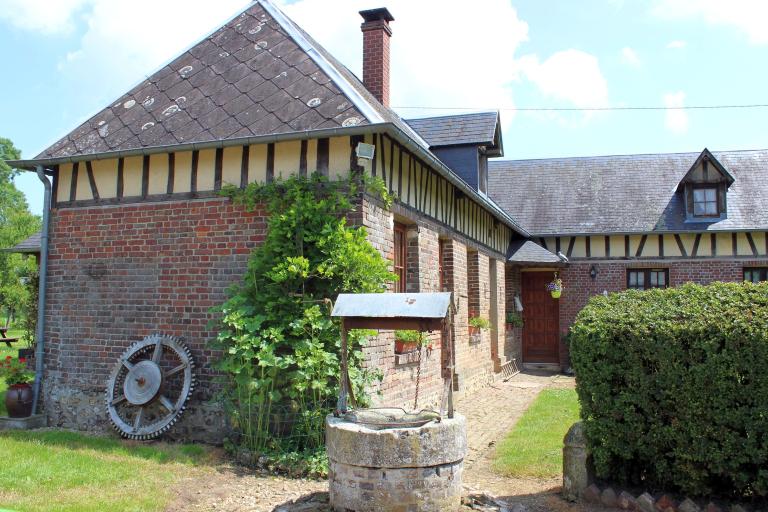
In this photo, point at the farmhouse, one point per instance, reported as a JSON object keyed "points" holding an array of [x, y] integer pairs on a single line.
{"points": [[141, 240], [633, 221]]}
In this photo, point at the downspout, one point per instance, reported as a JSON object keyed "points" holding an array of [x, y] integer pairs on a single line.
{"points": [[40, 328]]}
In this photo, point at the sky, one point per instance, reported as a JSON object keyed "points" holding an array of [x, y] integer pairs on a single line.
{"points": [[64, 60]]}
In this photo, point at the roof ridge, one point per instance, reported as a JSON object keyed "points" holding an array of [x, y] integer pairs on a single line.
{"points": [[623, 155], [478, 112]]}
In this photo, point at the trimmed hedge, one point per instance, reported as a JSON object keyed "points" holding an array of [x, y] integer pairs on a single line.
{"points": [[673, 387]]}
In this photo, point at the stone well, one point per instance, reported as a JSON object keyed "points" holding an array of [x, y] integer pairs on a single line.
{"points": [[396, 469]]}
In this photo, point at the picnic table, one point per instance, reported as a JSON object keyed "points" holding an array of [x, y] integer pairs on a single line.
{"points": [[5, 339]]}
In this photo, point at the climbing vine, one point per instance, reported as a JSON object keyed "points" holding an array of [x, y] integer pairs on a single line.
{"points": [[281, 348]]}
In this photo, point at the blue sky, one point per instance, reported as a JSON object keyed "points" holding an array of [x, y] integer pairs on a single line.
{"points": [[67, 59]]}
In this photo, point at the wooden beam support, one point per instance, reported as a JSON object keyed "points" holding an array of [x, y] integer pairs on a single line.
{"points": [[92, 181], [73, 182], [323, 156], [680, 245], [171, 173], [218, 167], [271, 163]]}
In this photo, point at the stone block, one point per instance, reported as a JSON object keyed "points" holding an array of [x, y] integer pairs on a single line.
{"points": [[626, 501], [592, 494], [711, 507], [32, 422], [577, 474], [646, 503], [688, 505], [608, 498], [665, 503]]}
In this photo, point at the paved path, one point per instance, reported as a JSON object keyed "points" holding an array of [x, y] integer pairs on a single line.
{"points": [[492, 411]]}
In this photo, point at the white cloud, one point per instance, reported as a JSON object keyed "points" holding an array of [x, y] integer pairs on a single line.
{"points": [[571, 75], [439, 56], [45, 16], [748, 16], [629, 57], [675, 120], [677, 44]]}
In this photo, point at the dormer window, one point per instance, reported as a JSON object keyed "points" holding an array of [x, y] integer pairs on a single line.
{"points": [[705, 202], [705, 189]]}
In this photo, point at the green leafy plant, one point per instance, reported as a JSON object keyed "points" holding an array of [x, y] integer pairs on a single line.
{"points": [[412, 336], [673, 388], [280, 347], [514, 319], [15, 372], [479, 322]]}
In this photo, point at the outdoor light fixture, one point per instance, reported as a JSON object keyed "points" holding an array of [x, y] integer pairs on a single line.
{"points": [[364, 152], [593, 271]]}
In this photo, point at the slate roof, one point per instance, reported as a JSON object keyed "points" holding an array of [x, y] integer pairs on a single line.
{"points": [[526, 251], [624, 194], [30, 245], [478, 128], [259, 74]]}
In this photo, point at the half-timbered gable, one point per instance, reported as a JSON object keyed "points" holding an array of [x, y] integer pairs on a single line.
{"points": [[142, 240]]}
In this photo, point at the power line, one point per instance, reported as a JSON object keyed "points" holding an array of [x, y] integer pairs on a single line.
{"points": [[593, 109]]}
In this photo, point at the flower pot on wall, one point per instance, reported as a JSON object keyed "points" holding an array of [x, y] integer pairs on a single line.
{"points": [[404, 347], [556, 293], [18, 401]]}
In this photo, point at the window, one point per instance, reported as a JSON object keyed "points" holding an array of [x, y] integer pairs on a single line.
{"points": [[400, 257], [756, 274], [643, 279], [705, 202]]}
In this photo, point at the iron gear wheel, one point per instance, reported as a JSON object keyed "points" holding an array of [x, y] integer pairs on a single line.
{"points": [[149, 387]]}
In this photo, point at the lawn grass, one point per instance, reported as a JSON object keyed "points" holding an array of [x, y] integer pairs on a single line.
{"points": [[534, 448], [62, 471]]}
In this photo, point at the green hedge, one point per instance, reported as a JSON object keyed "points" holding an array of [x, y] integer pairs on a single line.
{"points": [[673, 387]]}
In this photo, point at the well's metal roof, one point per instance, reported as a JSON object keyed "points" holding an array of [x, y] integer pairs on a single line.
{"points": [[392, 305], [624, 194]]}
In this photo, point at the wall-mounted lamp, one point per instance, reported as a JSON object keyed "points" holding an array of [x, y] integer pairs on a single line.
{"points": [[364, 152], [593, 272]]}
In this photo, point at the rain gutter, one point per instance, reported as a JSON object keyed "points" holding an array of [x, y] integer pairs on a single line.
{"points": [[43, 274]]}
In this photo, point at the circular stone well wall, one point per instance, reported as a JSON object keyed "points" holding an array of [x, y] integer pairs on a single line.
{"points": [[396, 469]]}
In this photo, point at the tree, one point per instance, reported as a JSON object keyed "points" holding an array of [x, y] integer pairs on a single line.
{"points": [[16, 224]]}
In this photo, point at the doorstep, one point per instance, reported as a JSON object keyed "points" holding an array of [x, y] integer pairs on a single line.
{"points": [[545, 367], [29, 423]]}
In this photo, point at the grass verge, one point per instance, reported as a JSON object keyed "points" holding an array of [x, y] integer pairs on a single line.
{"points": [[534, 448], [60, 471]]}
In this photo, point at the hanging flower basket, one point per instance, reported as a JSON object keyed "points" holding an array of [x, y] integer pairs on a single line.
{"points": [[555, 287]]}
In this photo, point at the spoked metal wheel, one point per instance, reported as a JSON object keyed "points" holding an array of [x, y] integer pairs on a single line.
{"points": [[149, 387]]}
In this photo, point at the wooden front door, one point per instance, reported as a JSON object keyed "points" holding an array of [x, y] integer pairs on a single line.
{"points": [[541, 316]]}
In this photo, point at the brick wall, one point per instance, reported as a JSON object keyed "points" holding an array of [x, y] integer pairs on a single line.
{"points": [[474, 357], [612, 277], [117, 274], [399, 372]]}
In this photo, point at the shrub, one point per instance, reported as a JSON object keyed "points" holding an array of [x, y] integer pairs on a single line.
{"points": [[279, 346], [673, 387]]}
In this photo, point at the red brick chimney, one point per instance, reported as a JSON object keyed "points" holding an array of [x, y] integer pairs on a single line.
{"points": [[376, 34]]}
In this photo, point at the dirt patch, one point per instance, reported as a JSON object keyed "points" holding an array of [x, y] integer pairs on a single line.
{"points": [[491, 412]]}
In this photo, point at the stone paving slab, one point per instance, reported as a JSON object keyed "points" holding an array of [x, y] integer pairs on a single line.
{"points": [[492, 411]]}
